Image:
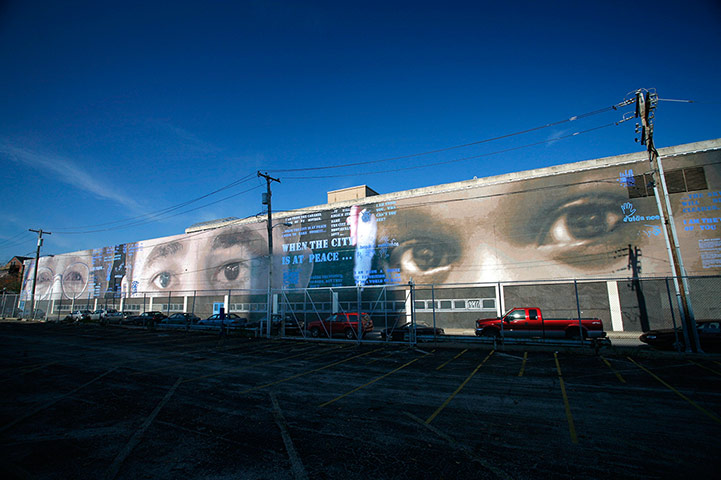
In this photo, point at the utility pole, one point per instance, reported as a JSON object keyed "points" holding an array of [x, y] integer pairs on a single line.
{"points": [[266, 201], [645, 105], [35, 274]]}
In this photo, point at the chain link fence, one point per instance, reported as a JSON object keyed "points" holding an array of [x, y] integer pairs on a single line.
{"points": [[626, 308]]}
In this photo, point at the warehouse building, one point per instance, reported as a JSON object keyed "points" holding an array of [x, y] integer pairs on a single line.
{"points": [[583, 238]]}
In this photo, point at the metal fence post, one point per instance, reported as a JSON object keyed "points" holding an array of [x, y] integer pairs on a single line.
{"points": [[412, 330], [360, 312], [433, 302], [673, 319], [578, 311]]}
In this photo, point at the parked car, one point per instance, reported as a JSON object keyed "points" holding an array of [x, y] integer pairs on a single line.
{"points": [[181, 319], [80, 315], [345, 324], [401, 332], [106, 316], [112, 316], [146, 318], [709, 336], [231, 320]]}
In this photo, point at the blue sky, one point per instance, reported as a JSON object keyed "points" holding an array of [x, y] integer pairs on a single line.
{"points": [[115, 110]]}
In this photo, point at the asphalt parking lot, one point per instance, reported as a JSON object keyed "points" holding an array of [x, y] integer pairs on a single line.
{"points": [[85, 401]]}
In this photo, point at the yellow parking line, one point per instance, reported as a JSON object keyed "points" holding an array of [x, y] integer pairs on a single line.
{"points": [[309, 371], [448, 400], [715, 372], [608, 364], [697, 406], [369, 383], [245, 367], [523, 365], [449, 361], [569, 417]]}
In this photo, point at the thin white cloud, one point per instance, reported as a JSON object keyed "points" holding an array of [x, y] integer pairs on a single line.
{"points": [[65, 170]]}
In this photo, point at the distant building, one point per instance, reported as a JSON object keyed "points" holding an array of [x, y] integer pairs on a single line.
{"points": [[11, 274]]}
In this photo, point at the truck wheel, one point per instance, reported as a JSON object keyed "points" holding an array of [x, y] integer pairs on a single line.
{"points": [[315, 332], [349, 333], [491, 332], [573, 334]]}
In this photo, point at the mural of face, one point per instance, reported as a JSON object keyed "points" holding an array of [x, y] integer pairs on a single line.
{"points": [[62, 277], [230, 258], [546, 228]]}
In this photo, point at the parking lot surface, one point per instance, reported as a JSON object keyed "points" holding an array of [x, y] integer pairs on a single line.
{"points": [[85, 401]]}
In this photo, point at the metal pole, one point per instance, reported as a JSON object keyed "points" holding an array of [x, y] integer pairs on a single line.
{"points": [[578, 311], [673, 319], [645, 104], [433, 303], [360, 311]]}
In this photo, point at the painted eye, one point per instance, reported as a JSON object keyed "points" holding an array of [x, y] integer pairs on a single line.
{"points": [[425, 256], [163, 280], [581, 222], [231, 271], [75, 279], [44, 281]]}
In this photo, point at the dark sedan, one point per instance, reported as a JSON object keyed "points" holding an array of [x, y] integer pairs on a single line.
{"points": [[181, 319], [230, 320], [709, 336], [401, 332], [146, 318]]}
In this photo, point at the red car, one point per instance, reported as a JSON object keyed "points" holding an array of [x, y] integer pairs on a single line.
{"points": [[345, 324]]}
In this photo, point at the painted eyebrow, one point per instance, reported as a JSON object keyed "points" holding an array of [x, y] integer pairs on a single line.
{"points": [[162, 251], [225, 240]]}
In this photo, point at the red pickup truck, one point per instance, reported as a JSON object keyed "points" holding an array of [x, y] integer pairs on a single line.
{"points": [[529, 322]]}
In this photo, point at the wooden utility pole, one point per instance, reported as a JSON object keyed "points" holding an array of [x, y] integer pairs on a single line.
{"points": [[35, 274], [267, 201]]}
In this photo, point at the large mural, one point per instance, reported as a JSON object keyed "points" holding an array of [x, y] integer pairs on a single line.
{"points": [[587, 223]]}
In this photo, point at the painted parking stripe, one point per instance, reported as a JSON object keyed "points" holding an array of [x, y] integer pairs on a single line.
{"points": [[56, 400], [468, 451], [138, 435], [367, 384], [309, 371], [694, 404], [608, 364], [715, 372], [296, 464], [244, 367], [449, 361], [569, 417], [197, 361], [448, 400], [523, 364]]}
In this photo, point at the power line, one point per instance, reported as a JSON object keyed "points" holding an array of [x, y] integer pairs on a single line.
{"points": [[497, 152], [454, 147], [139, 223], [162, 212]]}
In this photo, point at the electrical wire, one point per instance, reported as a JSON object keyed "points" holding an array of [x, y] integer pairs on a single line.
{"points": [[454, 147], [135, 224], [162, 212], [445, 162]]}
